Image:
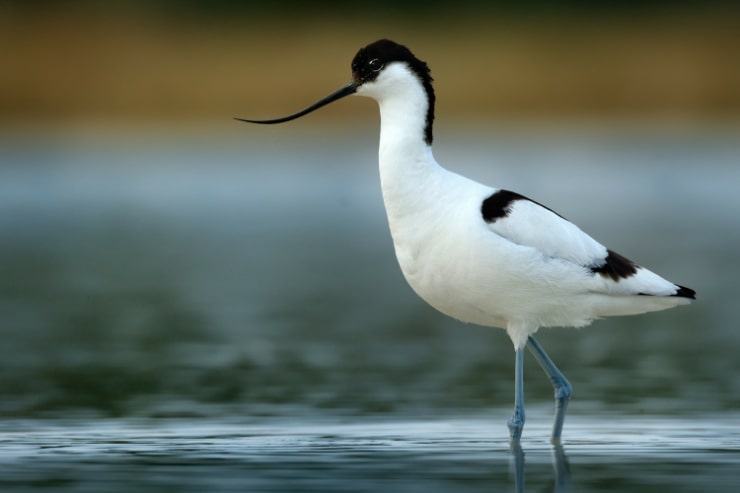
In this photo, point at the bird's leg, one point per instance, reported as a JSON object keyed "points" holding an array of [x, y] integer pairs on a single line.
{"points": [[516, 422], [561, 384]]}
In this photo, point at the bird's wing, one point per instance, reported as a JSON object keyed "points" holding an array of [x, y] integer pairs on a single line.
{"points": [[528, 223]]}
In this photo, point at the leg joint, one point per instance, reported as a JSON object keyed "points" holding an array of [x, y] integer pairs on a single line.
{"points": [[563, 389]]}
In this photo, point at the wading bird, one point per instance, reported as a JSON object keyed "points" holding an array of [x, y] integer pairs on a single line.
{"points": [[480, 254]]}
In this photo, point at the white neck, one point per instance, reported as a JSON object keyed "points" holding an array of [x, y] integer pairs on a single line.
{"points": [[406, 160]]}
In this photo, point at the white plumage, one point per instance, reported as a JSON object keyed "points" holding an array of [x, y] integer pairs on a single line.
{"points": [[480, 254], [528, 269]]}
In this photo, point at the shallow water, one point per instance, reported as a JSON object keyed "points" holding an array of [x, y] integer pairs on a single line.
{"points": [[181, 313], [611, 453]]}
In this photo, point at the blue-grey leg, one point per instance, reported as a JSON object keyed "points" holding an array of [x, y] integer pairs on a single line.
{"points": [[517, 455], [561, 384], [516, 422]]}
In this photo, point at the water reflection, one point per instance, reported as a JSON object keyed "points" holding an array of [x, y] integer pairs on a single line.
{"points": [[560, 467], [468, 454]]}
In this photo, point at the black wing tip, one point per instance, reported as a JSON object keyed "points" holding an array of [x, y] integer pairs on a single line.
{"points": [[684, 292]]}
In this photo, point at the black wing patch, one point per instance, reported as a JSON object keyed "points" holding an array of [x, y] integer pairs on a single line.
{"points": [[684, 292], [616, 267], [499, 204]]}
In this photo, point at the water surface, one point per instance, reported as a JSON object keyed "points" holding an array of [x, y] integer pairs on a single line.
{"points": [[463, 454]]}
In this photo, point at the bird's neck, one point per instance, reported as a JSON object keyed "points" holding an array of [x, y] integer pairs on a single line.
{"points": [[402, 129], [408, 169]]}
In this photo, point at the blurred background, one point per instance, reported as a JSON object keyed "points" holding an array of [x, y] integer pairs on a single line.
{"points": [[135, 60], [159, 259]]}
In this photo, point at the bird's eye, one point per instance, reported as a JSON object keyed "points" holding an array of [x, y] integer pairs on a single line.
{"points": [[375, 65]]}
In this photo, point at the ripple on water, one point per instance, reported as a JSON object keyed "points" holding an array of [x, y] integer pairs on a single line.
{"points": [[603, 453]]}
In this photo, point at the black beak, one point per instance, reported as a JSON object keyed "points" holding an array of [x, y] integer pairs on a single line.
{"points": [[350, 88]]}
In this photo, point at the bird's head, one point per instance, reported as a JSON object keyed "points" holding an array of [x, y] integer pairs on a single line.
{"points": [[379, 70]]}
